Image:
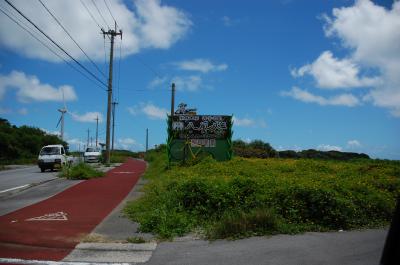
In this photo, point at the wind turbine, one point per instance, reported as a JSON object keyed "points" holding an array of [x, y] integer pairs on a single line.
{"points": [[61, 120]]}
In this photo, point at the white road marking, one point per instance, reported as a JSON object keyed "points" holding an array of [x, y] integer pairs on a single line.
{"points": [[124, 172], [16, 188], [60, 216], [49, 262]]}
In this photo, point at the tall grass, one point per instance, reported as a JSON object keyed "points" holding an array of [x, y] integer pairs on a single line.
{"points": [[80, 171], [243, 197]]}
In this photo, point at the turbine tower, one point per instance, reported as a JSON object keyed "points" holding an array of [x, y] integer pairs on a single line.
{"points": [[61, 120]]}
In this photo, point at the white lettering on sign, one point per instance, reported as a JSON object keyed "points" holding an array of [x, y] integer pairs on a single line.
{"points": [[60, 216], [203, 142]]}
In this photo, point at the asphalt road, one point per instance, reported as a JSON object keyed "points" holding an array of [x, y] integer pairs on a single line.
{"points": [[353, 247], [14, 178], [27, 185]]}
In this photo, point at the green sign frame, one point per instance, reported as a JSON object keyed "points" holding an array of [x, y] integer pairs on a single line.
{"points": [[190, 136]]}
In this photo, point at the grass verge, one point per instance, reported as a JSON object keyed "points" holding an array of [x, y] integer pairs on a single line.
{"points": [[80, 171], [245, 197]]}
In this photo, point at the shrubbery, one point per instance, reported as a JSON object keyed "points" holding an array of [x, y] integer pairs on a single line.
{"points": [[244, 197], [23, 144], [260, 149], [80, 171]]}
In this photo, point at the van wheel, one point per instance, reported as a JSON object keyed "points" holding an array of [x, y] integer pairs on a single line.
{"points": [[42, 169]]}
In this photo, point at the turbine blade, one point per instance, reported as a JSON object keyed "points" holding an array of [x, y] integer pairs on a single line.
{"points": [[63, 97], [58, 123]]}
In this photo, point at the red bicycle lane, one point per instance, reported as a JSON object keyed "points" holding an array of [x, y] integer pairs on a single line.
{"points": [[50, 229]]}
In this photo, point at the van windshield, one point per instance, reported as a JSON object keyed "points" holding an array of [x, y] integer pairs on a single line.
{"points": [[50, 151], [90, 149]]}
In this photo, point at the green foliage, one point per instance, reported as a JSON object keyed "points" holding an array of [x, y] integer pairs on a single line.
{"points": [[254, 149], [120, 156], [260, 149], [80, 171], [245, 197], [243, 224], [23, 144], [316, 154]]}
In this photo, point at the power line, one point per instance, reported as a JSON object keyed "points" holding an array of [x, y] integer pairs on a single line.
{"points": [[109, 11], [90, 13], [148, 66], [44, 44], [66, 31], [41, 31], [98, 11]]}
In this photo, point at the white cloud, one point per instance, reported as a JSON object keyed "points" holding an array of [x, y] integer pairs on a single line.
{"points": [[29, 88], [227, 21], [248, 122], [245, 122], [347, 100], [133, 110], [127, 143], [57, 133], [353, 143], [372, 34], [327, 147], [189, 83], [150, 110], [201, 65], [154, 112], [333, 73], [149, 24], [158, 81], [160, 26], [87, 117]]}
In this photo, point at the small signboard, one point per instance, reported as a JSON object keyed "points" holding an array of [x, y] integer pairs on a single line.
{"points": [[193, 135]]}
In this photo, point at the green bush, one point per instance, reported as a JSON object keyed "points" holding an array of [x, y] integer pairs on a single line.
{"points": [[21, 145], [80, 171], [243, 197], [242, 224]]}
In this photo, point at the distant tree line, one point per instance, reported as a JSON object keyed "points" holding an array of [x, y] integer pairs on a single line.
{"points": [[23, 143], [260, 149]]}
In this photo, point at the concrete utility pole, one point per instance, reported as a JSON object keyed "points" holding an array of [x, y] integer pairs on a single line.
{"points": [[173, 100], [147, 139], [97, 130], [113, 124], [111, 33], [88, 131]]}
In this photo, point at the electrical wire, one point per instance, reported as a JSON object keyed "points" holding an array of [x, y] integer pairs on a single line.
{"points": [[91, 15], [66, 31], [98, 11], [109, 11], [19, 23], [147, 66], [55, 43]]}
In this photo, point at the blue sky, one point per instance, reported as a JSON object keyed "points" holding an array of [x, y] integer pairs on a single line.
{"points": [[296, 74]]}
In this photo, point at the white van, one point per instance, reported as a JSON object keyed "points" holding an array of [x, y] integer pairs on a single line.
{"points": [[53, 156], [92, 154]]}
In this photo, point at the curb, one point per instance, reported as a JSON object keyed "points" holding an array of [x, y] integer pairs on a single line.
{"points": [[111, 253], [117, 246]]}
